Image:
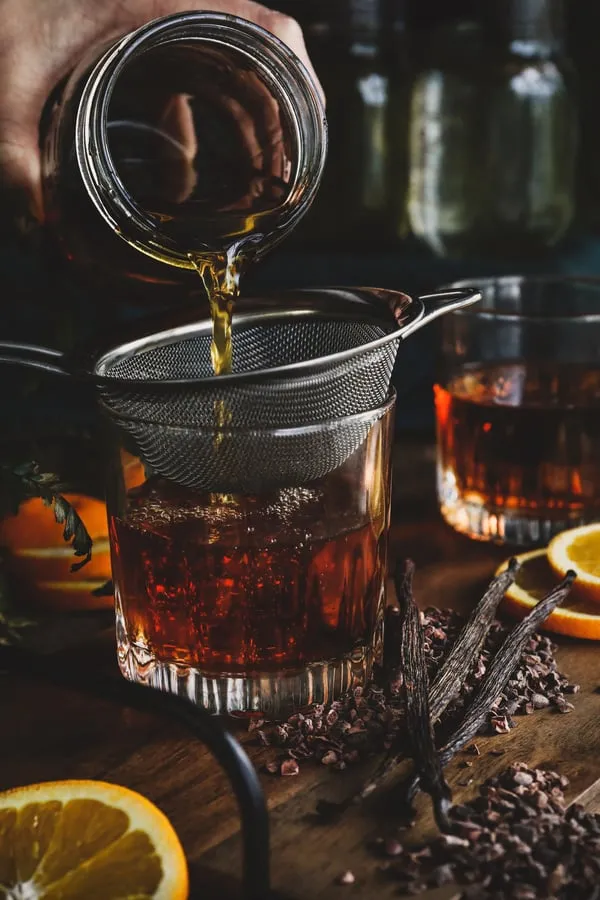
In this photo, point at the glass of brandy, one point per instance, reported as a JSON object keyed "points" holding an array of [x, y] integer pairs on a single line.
{"points": [[252, 603], [517, 406]]}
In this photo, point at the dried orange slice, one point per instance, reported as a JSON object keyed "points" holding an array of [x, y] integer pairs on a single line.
{"points": [[577, 618], [579, 549], [66, 840]]}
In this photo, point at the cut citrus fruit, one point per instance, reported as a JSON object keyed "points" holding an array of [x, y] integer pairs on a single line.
{"points": [[577, 618], [65, 840], [579, 549], [39, 559]]}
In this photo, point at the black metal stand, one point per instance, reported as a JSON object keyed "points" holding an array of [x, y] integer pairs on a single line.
{"points": [[210, 730]]}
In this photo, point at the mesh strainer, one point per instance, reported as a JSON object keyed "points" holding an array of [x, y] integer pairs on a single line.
{"points": [[311, 373]]}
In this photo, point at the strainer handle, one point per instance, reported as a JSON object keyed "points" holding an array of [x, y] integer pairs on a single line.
{"points": [[33, 357], [446, 301]]}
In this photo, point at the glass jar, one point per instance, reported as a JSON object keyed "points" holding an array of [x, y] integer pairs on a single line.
{"points": [[198, 132], [494, 135]]}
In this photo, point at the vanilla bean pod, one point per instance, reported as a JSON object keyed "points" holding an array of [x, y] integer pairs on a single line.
{"points": [[459, 662], [454, 670], [392, 635], [499, 673], [419, 727]]}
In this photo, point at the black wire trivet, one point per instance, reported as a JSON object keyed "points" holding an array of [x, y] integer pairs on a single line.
{"points": [[208, 729]]}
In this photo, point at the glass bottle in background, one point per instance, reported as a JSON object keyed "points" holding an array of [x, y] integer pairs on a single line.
{"points": [[359, 50], [493, 134]]}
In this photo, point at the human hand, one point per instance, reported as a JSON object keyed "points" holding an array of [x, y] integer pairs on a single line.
{"points": [[41, 42]]}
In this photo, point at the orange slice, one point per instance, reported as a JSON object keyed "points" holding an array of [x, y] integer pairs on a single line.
{"points": [[40, 561], [72, 595], [66, 840], [578, 618], [579, 549]]}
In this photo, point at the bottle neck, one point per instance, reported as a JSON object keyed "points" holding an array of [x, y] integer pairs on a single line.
{"points": [[528, 27]]}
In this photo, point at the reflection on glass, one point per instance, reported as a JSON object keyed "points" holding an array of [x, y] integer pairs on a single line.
{"points": [[205, 145], [493, 141]]}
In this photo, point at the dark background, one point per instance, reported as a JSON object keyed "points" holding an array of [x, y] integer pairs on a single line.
{"points": [[40, 304]]}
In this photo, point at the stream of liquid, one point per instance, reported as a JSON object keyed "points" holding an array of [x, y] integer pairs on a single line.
{"points": [[220, 275]]}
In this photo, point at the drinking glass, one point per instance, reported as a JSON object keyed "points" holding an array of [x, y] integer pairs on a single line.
{"points": [[251, 602], [517, 406]]}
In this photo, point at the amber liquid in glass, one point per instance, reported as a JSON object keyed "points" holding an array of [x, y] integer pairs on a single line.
{"points": [[265, 583], [518, 439]]}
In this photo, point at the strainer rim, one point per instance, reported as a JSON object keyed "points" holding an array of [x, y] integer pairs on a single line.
{"points": [[415, 309]]}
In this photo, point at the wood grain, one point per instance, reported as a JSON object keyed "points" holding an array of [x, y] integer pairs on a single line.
{"points": [[53, 733]]}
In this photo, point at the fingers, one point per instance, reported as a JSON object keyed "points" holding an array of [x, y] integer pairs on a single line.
{"points": [[177, 120], [40, 42], [289, 31], [282, 26]]}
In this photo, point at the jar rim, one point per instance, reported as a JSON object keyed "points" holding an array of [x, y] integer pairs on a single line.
{"points": [[304, 106], [505, 299]]}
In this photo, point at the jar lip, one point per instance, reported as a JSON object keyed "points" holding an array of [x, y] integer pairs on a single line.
{"points": [[109, 195]]}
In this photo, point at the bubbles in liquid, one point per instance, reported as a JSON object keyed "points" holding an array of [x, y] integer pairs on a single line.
{"points": [[159, 508]]}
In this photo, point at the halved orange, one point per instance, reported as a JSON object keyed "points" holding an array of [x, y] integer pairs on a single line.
{"points": [[579, 549], [40, 560], [535, 578], [68, 840]]}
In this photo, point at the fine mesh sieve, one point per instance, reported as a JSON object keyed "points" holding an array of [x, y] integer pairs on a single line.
{"points": [[311, 373]]}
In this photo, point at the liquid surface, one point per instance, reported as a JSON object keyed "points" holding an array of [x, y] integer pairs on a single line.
{"points": [[255, 583], [521, 436]]}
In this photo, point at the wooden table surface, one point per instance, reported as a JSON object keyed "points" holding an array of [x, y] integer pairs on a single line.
{"points": [[51, 732]]}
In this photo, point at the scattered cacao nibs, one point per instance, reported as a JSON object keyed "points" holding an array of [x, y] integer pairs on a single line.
{"points": [[462, 659], [392, 847], [366, 721], [501, 667], [529, 847]]}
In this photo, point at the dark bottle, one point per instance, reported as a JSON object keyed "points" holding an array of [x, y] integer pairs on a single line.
{"points": [[359, 50], [494, 134]]}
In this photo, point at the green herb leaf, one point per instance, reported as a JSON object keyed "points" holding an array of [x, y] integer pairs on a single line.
{"points": [[74, 530], [25, 481]]}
